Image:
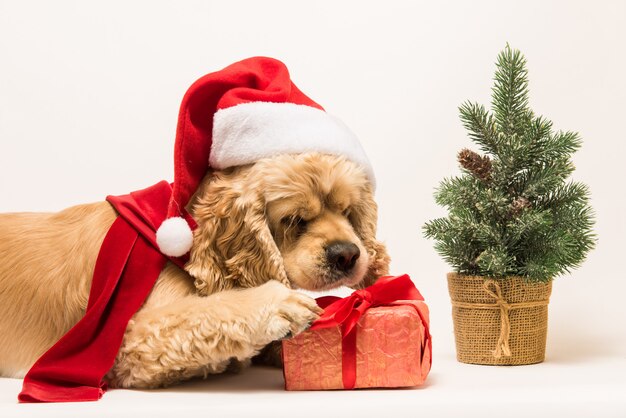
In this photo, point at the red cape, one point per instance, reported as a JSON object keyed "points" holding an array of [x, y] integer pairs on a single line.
{"points": [[127, 267]]}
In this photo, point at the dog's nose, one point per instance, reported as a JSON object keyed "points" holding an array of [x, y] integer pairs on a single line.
{"points": [[342, 255]]}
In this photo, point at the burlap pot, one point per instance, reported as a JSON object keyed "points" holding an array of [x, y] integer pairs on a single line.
{"points": [[499, 322]]}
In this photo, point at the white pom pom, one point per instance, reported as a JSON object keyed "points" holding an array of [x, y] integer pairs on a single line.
{"points": [[174, 237]]}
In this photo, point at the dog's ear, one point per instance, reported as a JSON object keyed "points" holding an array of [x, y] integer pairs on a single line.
{"points": [[233, 245], [364, 217]]}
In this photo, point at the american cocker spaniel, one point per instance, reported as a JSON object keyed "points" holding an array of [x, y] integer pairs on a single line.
{"points": [[291, 221]]}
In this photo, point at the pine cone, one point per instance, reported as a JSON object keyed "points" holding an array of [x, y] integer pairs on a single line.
{"points": [[519, 204], [479, 166]]}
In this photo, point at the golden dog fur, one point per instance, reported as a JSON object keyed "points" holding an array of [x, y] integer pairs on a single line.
{"points": [[262, 230]]}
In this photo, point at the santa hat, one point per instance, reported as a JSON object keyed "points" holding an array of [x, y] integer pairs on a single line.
{"points": [[248, 111]]}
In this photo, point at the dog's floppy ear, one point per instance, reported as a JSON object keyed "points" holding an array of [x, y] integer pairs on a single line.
{"points": [[233, 245], [364, 217]]}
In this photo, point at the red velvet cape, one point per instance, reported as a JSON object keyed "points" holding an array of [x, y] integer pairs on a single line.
{"points": [[127, 267]]}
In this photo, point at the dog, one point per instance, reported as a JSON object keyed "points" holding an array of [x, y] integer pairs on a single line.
{"points": [[264, 230]]}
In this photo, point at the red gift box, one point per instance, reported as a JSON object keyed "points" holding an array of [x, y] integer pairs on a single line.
{"points": [[376, 337]]}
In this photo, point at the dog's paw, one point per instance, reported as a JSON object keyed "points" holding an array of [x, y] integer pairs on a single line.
{"points": [[290, 312]]}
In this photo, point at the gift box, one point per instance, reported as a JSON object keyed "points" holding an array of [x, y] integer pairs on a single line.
{"points": [[377, 337]]}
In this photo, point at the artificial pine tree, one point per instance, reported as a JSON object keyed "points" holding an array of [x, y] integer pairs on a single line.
{"points": [[513, 212]]}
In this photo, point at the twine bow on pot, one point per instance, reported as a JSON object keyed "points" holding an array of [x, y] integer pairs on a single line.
{"points": [[493, 289], [502, 346]]}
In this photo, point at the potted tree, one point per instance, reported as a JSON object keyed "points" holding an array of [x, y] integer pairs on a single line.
{"points": [[515, 223]]}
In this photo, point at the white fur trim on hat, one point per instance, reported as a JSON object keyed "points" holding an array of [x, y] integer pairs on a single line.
{"points": [[247, 132], [174, 237]]}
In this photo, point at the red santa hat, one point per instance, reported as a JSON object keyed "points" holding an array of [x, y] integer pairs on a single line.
{"points": [[248, 111]]}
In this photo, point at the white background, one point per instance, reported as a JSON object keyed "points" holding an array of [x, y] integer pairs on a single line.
{"points": [[89, 95]]}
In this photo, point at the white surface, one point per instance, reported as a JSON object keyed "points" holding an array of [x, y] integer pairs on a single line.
{"points": [[89, 94], [582, 384]]}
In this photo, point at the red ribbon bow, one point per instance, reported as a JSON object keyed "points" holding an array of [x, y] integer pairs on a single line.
{"points": [[346, 313]]}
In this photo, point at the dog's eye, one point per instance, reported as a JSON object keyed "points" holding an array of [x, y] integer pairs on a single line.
{"points": [[346, 212], [300, 225], [295, 223]]}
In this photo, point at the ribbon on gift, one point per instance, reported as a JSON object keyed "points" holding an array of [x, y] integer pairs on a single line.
{"points": [[346, 312]]}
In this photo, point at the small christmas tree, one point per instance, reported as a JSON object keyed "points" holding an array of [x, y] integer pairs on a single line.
{"points": [[513, 212]]}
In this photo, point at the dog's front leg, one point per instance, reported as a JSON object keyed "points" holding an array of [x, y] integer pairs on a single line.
{"points": [[197, 336]]}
